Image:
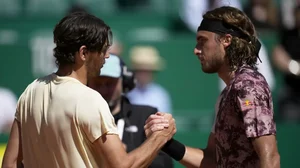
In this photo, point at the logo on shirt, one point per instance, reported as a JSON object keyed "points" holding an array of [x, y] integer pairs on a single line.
{"points": [[247, 103]]}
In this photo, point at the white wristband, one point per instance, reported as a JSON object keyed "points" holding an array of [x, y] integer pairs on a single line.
{"points": [[294, 67]]}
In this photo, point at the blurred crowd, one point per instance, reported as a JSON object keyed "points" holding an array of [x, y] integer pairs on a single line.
{"points": [[146, 60]]}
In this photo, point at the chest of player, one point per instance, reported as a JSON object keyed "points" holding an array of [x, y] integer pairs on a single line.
{"points": [[231, 142], [229, 127]]}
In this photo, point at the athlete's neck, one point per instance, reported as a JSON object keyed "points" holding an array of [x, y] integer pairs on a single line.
{"points": [[70, 71], [226, 74]]}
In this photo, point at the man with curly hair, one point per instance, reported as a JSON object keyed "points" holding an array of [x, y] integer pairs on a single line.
{"points": [[60, 122], [244, 132]]}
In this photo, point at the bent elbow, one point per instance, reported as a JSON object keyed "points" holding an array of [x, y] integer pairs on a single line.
{"points": [[272, 161], [276, 160]]}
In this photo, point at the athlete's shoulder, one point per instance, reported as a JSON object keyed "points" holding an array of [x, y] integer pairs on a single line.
{"points": [[90, 94], [35, 83], [30, 88], [248, 77]]}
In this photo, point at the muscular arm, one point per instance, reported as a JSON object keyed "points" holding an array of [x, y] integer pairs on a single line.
{"points": [[13, 154], [266, 148], [258, 118], [110, 146], [194, 158], [161, 160], [100, 129]]}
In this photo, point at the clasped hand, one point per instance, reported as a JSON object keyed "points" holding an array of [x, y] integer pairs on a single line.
{"points": [[162, 124]]}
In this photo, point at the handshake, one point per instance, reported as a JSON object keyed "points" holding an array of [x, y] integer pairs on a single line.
{"points": [[161, 125]]}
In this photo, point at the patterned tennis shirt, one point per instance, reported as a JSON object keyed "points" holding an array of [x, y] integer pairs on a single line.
{"points": [[244, 111]]}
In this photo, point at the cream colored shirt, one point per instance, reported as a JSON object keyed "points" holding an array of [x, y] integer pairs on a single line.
{"points": [[60, 119]]}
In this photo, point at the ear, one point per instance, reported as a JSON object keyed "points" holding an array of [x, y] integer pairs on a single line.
{"points": [[83, 53], [226, 40]]}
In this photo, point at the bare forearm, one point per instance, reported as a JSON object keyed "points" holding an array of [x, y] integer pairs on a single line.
{"points": [[270, 161], [145, 154], [281, 59], [194, 158], [13, 153], [267, 151]]}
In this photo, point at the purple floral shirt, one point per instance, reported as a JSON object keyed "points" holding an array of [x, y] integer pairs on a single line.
{"points": [[244, 111]]}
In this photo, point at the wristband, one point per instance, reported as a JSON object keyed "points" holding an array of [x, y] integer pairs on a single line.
{"points": [[174, 149]]}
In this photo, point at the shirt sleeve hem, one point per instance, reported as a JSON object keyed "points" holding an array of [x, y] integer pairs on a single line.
{"points": [[93, 139], [263, 134]]}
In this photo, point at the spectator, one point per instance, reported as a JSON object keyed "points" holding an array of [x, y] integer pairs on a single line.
{"points": [[145, 61]]}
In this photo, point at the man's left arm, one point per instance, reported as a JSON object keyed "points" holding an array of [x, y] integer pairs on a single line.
{"points": [[13, 154], [255, 103], [266, 149]]}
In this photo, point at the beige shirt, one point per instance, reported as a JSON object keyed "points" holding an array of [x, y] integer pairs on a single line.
{"points": [[60, 119]]}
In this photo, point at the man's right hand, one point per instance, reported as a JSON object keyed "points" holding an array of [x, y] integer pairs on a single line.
{"points": [[162, 124], [110, 146]]}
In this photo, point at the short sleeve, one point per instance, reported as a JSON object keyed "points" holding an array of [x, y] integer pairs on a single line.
{"points": [[256, 107], [21, 103], [95, 118]]}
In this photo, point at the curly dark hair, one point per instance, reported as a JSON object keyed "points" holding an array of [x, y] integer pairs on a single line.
{"points": [[241, 50], [75, 30]]}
